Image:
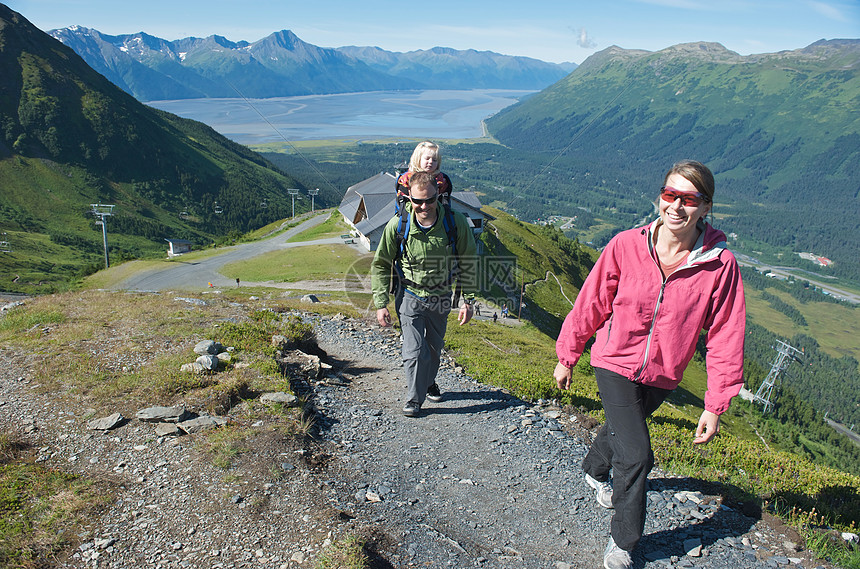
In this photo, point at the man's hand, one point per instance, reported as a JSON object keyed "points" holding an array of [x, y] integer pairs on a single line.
{"points": [[465, 314], [383, 317], [562, 376], [709, 425]]}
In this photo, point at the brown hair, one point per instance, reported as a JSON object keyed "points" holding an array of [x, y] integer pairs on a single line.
{"points": [[422, 180], [697, 174]]}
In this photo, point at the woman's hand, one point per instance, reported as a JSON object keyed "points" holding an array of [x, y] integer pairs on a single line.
{"points": [[709, 425], [465, 314], [562, 376]]}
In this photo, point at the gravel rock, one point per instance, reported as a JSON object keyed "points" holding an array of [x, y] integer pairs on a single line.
{"points": [[106, 423]]}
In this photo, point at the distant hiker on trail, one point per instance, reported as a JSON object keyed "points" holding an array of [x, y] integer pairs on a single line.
{"points": [[495, 316], [427, 157], [477, 309], [504, 311], [658, 286], [423, 263], [237, 282]]}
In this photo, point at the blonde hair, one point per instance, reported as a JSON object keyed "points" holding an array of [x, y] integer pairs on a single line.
{"points": [[415, 161]]}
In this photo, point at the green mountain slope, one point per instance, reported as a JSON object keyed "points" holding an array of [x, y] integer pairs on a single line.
{"points": [[69, 138], [781, 132], [547, 269]]}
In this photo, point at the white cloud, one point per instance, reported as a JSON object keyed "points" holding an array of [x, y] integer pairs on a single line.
{"points": [[583, 40], [829, 11]]}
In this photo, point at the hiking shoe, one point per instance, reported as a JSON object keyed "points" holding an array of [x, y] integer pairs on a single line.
{"points": [[603, 491], [616, 558], [433, 393], [412, 409]]}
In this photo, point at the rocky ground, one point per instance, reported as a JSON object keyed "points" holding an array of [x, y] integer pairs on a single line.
{"points": [[481, 479]]}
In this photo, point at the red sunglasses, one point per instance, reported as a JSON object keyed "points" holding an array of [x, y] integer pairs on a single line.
{"points": [[688, 199], [424, 201]]}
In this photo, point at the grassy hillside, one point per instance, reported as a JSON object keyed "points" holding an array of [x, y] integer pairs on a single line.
{"points": [[547, 268], [69, 138]]}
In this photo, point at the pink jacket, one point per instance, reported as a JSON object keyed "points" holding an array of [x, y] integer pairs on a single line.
{"points": [[647, 328]]}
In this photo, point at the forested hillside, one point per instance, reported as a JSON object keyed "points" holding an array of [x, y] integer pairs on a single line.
{"points": [[775, 128], [70, 139]]}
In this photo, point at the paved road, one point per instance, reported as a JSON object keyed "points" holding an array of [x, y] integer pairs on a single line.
{"points": [[792, 272], [196, 274]]}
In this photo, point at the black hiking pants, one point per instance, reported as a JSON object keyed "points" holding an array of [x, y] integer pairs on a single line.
{"points": [[623, 445]]}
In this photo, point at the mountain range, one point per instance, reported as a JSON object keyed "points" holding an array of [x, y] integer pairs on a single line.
{"points": [[781, 131], [281, 65]]}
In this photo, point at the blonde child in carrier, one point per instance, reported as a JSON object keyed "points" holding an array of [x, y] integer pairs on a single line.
{"points": [[426, 157]]}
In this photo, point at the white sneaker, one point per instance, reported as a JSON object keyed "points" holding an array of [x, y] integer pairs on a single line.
{"points": [[434, 394], [616, 558], [603, 491]]}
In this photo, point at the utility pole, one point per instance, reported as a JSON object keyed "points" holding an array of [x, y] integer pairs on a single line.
{"points": [[293, 192], [103, 211], [312, 193], [785, 355]]}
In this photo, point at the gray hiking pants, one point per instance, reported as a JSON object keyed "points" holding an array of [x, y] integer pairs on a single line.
{"points": [[423, 322], [623, 445]]}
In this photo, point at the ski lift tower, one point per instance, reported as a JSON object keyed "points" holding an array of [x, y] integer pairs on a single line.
{"points": [[293, 192], [312, 193], [784, 356], [103, 211]]}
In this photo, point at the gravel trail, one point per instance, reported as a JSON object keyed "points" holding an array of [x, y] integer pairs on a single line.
{"points": [[481, 479]]}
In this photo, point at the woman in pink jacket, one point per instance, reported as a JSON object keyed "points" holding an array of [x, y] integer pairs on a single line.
{"points": [[651, 293]]}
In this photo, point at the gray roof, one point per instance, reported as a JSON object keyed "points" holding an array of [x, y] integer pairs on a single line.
{"points": [[378, 195], [378, 219], [349, 205], [467, 198], [378, 184]]}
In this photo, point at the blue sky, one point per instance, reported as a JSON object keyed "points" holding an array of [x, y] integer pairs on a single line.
{"points": [[552, 30]]}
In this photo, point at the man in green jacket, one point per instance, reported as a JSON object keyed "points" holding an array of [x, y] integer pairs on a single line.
{"points": [[424, 272]]}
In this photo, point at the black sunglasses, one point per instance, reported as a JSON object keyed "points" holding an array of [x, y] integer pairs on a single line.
{"points": [[424, 201]]}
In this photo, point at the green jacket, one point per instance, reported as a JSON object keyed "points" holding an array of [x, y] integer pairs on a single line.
{"points": [[426, 260]]}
